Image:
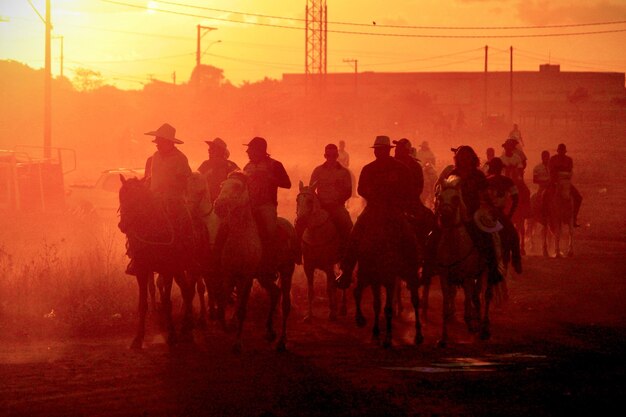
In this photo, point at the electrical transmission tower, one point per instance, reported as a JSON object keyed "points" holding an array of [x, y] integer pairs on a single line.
{"points": [[315, 45]]}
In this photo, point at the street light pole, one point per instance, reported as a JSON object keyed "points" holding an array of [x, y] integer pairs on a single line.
{"points": [[202, 30]]}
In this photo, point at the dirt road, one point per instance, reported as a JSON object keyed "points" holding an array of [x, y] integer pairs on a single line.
{"points": [[557, 348]]}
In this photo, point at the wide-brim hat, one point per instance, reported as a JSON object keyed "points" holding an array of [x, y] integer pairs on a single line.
{"points": [[486, 222], [258, 143], [382, 142], [510, 142], [167, 132]]}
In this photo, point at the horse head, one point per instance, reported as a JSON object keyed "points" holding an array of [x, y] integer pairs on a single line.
{"points": [[306, 201], [233, 194], [450, 207], [198, 194], [133, 196]]}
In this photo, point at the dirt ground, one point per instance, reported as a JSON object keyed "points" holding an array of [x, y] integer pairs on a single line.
{"points": [[557, 348]]}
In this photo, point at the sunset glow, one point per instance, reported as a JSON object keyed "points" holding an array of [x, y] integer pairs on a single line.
{"points": [[131, 41]]}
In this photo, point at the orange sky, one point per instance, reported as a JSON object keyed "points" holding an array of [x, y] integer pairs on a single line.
{"points": [[129, 45]]}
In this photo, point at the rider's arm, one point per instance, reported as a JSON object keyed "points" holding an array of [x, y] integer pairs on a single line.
{"points": [[514, 199], [345, 185], [281, 177]]}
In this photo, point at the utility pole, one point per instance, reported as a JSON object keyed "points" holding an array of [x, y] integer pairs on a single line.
{"points": [[60, 37], [47, 112], [202, 30], [511, 87], [356, 71], [485, 86]]}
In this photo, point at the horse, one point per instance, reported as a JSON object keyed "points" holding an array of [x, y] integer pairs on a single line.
{"points": [[155, 244], [240, 258], [458, 262], [558, 210], [380, 261], [523, 212], [321, 246]]}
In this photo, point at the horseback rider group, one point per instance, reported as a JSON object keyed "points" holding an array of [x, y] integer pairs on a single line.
{"points": [[391, 186]]}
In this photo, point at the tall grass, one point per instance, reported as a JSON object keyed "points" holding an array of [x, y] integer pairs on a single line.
{"points": [[64, 275]]}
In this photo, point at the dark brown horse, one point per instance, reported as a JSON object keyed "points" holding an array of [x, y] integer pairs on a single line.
{"points": [[320, 247], [158, 241], [240, 258], [381, 261]]}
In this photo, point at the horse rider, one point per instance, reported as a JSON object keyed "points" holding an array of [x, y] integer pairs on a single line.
{"points": [[541, 177], [217, 167], [516, 134], [561, 164], [474, 190], [491, 153], [333, 186], [403, 154], [167, 172], [500, 188], [425, 155], [514, 162], [265, 176], [385, 184], [344, 156]]}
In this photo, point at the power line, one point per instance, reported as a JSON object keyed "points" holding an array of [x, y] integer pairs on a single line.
{"points": [[295, 19], [398, 35]]}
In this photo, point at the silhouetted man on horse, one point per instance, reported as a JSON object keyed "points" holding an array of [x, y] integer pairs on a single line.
{"points": [[562, 165], [500, 188], [386, 185], [265, 176], [217, 167], [333, 184], [474, 189], [541, 177]]}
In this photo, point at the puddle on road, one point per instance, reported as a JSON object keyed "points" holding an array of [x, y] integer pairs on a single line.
{"points": [[491, 363]]}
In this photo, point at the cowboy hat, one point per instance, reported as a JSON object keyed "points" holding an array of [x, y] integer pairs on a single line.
{"points": [[382, 142], [486, 221], [257, 143], [166, 131]]}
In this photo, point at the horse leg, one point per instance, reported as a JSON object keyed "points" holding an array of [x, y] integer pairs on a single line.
{"points": [[187, 285], [485, 332], [472, 304], [152, 292], [398, 297], [358, 294], [390, 290], [415, 300], [211, 297], [310, 277], [166, 280], [570, 250], [343, 310], [267, 282], [557, 238], [286, 276], [244, 286], [142, 281], [201, 288], [522, 237], [425, 295], [331, 291], [446, 313], [544, 232], [376, 293]]}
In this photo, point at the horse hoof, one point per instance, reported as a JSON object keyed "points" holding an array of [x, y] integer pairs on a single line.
{"points": [[387, 344], [270, 336], [485, 334], [419, 339], [281, 346], [332, 316], [237, 348], [360, 321], [308, 319], [442, 343], [137, 343]]}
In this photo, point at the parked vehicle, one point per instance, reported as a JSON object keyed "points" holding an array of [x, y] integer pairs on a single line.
{"points": [[100, 198]]}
